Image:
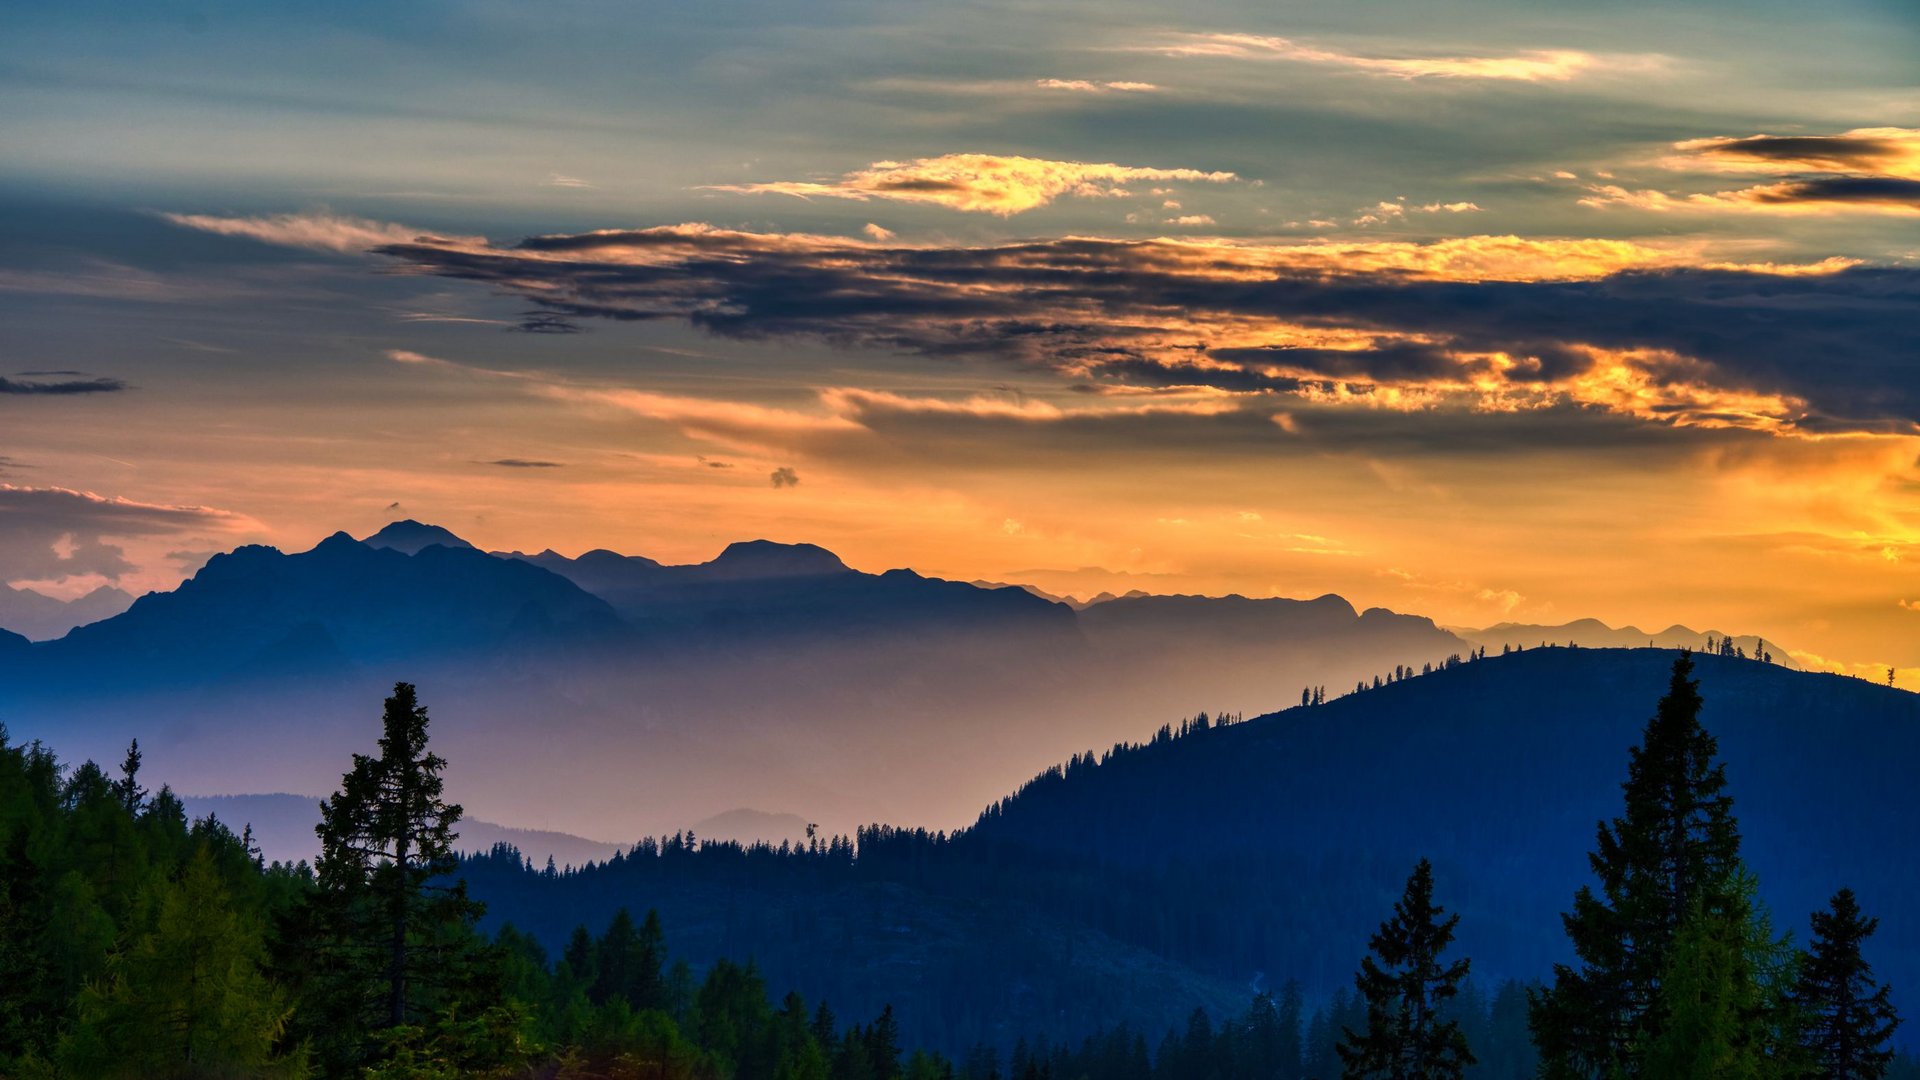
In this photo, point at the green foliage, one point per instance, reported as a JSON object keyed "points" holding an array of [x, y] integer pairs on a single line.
{"points": [[1724, 1002], [187, 997], [1675, 849]]}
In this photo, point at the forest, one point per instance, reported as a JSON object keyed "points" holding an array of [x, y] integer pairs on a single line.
{"points": [[137, 943]]}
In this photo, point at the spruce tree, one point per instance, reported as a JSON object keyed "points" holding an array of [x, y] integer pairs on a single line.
{"points": [[391, 937], [1674, 849], [1848, 1017], [1406, 1037]]}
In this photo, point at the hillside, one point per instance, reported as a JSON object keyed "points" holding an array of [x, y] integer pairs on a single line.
{"points": [[1302, 824]]}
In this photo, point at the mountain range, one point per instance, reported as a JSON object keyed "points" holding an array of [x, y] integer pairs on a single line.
{"points": [[614, 695]]}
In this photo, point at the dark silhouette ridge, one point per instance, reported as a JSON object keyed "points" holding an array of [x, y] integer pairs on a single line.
{"points": [[410, 537]]}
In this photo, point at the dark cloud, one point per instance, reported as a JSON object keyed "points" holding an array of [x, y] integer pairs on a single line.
{"points": [[1836, 153], [523, 463], [55, 533], [1875, 190], [87, 385], [784, 477], [1158, 314]]}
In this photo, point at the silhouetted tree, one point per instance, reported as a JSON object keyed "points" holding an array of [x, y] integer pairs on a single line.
{"points": [[393, 937], [1406, 1036], [1849, 1018], [1674, 850]]}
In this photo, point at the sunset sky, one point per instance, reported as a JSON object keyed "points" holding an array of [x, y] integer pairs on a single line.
{"points": [[1479, 309]]}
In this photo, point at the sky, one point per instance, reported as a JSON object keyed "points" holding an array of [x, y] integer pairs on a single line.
{"points": [[1484, 310]]}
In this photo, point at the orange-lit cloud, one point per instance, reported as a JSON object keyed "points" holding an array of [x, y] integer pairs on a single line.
{"points": [[1663, 335], [1878, 151], [980, 183], [1537, 65], [1807, 195]]}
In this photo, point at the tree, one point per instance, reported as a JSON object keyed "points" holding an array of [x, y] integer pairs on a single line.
{"points": [[394, 939], [128, 787], [188, 998], [1848, 1017], [1724, 1003], [1406, 1038], [1674, 850]]}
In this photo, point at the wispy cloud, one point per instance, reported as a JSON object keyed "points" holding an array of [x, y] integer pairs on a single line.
{"points": [[1535, 65], [523, 463], [1096, 86], [84, 384], [980, 183], [318, 231]]}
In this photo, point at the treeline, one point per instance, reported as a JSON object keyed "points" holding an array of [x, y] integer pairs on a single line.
{"points": [[135, 944]]}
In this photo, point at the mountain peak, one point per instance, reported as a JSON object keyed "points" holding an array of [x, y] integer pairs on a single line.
{"points": [[410, 537], [768, 559]]}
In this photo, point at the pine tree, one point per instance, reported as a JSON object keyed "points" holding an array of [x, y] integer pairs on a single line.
{"points": [[128, 787], [1675, 848], [1404, 989], [1848, 1017], [393, 939]]}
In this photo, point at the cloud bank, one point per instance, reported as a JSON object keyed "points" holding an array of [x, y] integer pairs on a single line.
{"points": [[1489, 324]]}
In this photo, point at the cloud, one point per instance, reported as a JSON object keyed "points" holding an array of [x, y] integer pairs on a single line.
{"points": [[90, 384], [1660, 334], [1865, 170], [979, 183], [319, 231], [1192, 219], [558, 180], [1450, 208], [784, 477], [878, 232], [523, 463], [1096, 86], [1881, 151], [1808, 195], [52, 533], [1536, 65]]}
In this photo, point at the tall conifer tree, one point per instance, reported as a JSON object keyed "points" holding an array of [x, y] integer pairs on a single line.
{"points": [[393, 937], [1406, 1037], [1848, 1017], [1675, 849]]}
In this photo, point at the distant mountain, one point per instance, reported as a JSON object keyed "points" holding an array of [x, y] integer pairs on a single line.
{"points": [[410, 537], [41, 617], [1594, 634], [772, 675], [1247, 854], [758, 589], [747, 826], [257, 612], [283, 828]]}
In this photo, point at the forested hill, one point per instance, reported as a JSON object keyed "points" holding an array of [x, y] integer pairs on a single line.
{"points": [[1256, 852], [1301, 822]]}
